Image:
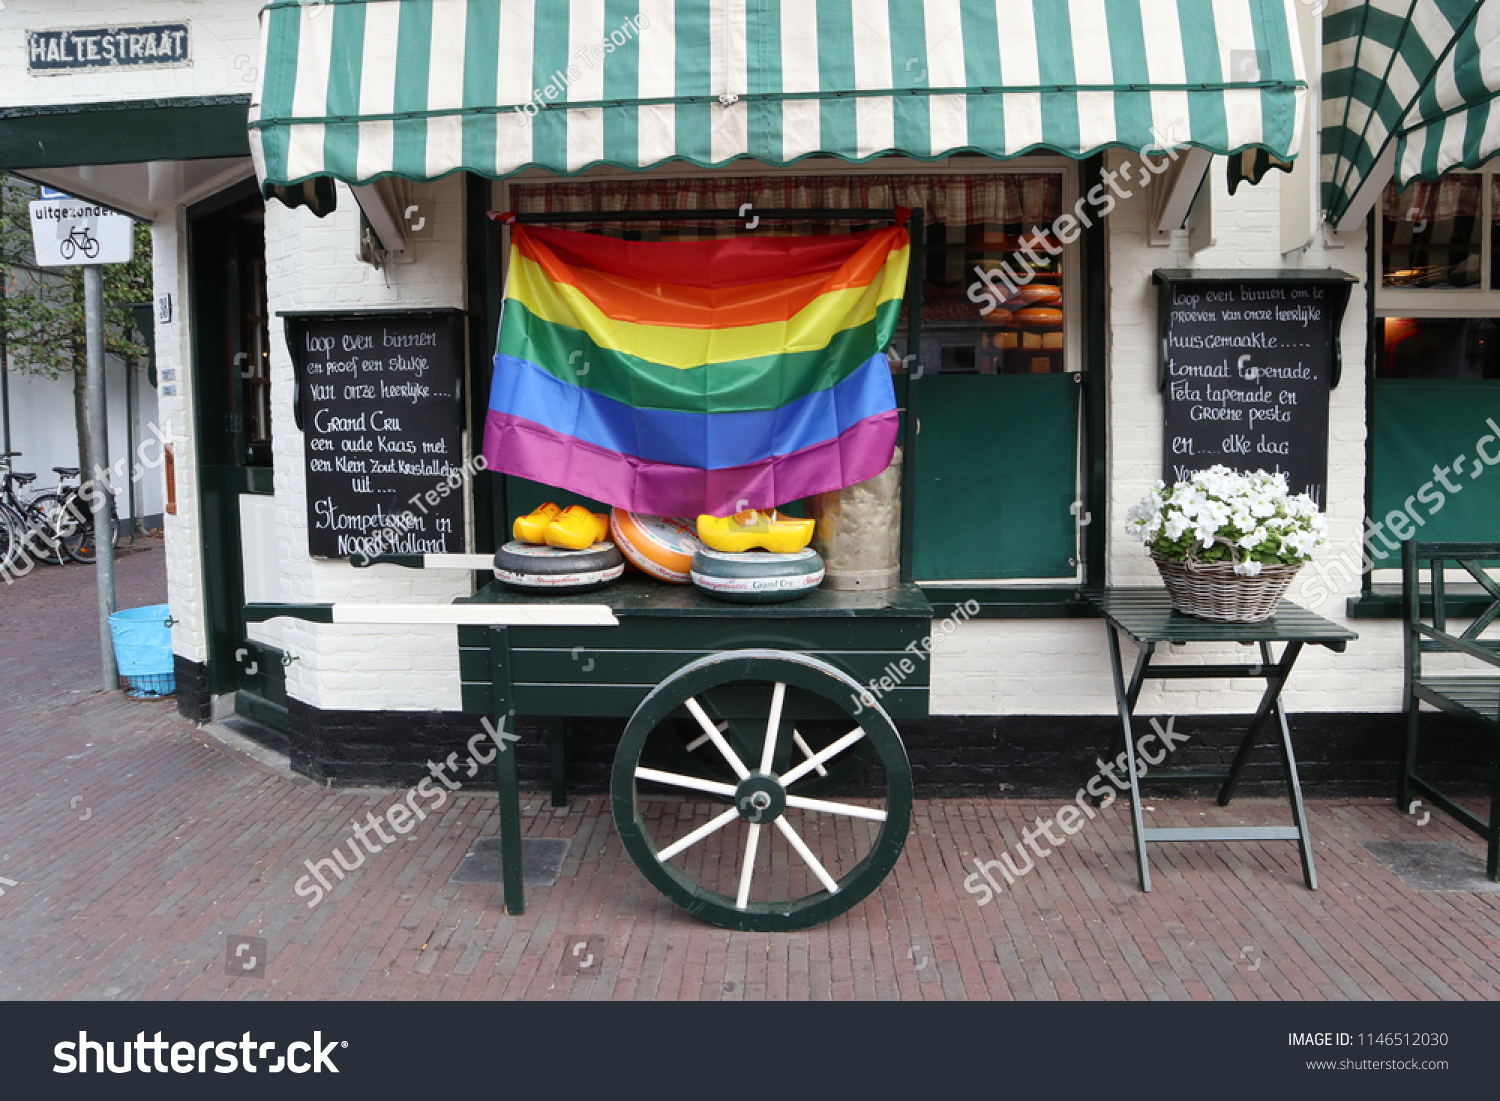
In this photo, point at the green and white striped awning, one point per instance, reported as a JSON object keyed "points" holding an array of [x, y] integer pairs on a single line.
{"points": [[1378, 58], [1453, 124], [358, 89]]}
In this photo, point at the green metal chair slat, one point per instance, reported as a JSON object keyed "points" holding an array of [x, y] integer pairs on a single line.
{"points": [[1473, 698]]}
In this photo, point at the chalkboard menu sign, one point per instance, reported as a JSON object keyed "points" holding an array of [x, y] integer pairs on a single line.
{"points": [[379, 404], [1248, 360]]}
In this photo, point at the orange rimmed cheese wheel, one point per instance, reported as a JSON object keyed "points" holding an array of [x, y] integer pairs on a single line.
{"points": [[1039, 317], [997, 316], [995, 239], [661, 546], [1039, 294]]}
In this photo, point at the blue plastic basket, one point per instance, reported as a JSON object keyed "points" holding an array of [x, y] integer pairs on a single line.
{"points": [[143, 651]]}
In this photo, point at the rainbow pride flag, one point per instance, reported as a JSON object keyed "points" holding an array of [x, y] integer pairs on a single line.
{"points": [[676, 378]]}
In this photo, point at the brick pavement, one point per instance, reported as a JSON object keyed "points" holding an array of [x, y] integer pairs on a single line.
{"points": [[179, 841]]}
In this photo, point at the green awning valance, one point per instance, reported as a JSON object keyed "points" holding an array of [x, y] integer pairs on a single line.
{"points": [[358, 89]]}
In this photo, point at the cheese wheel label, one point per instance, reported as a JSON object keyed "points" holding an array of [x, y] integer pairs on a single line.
{"points": [[795, 582], [538, 550], [559, 580]]}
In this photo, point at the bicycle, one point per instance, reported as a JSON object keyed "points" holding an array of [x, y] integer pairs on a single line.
{"points": [[78, 537], [78, 238], [35, 523]]}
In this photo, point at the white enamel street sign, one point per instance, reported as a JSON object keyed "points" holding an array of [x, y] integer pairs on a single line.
{"points": [[69, 232]]}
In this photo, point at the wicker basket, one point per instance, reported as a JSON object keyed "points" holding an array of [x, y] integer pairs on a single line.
{"points": [[1212, 590]]}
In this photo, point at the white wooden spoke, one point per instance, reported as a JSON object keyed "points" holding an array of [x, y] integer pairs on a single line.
{"points": [[806, 854], [778, 697], [698, 835], [822, 755], [717, 737], [807, 751], [713, 787], [747, 873], [874, 814], [702, 738]]}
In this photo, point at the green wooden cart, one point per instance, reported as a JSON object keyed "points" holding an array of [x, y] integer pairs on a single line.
{"points": [[760, 781], [739, 717]]}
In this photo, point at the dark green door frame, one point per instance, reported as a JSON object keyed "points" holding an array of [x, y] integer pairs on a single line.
{"points": [[253, 672], [484, 284]]}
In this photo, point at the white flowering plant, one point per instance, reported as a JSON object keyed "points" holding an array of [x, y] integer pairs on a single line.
{"points": [[1219, 515]]}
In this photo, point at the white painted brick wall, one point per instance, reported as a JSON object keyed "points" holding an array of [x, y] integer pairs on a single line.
{"points": [[224, 37], [311, 265], [185, 591]]}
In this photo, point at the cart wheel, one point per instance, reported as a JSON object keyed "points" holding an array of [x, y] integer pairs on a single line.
{"points": [[835, 852]]}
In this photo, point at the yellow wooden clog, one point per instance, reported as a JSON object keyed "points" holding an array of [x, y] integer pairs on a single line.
{"points": [[763, 529], [532, 528], [576, 528]]}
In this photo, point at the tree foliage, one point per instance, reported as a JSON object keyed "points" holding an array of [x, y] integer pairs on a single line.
{"points": [[42, 329], [41, 313]]}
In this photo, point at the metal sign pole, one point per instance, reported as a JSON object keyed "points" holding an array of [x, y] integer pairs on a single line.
{"points": [[103, 497]]}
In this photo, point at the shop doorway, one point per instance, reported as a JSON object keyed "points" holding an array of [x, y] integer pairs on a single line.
{"points": [[232, 398]]}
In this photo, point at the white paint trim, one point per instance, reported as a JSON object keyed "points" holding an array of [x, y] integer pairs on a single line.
{"points": [[381, 203], [1301, 189], [479, 615], [244, 169], [1370, 189], [458, 561], [1173, 195]]}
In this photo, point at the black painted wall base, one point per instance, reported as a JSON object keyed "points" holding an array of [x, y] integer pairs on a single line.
{"points": [[193, 699], [1040, 756]]}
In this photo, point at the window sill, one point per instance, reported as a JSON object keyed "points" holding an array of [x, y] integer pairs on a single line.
{"points": [[1383, 601]]}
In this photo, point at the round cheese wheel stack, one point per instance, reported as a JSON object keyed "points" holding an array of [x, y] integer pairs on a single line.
{"points": [[662, 546], [1038, 317], [757, 577], [530, 567], [1037, 294]]}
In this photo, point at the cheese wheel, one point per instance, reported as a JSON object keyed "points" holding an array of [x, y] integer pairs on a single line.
{"points": [[662, 546], [1038, 317], [991, 238], [757, 577], [531, 567], [1039, 294]]}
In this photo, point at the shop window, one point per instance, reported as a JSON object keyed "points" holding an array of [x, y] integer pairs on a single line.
{"points": [[997, 458], [1438, 348], [1430, 234], [246, 353], [1436, 383], [997, 462]]}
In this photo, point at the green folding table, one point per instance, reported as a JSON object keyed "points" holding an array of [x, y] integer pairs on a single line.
{"points": [[1147, 616]]}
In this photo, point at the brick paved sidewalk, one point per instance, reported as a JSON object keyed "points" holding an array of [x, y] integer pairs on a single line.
{"points": [[139, 844]]}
